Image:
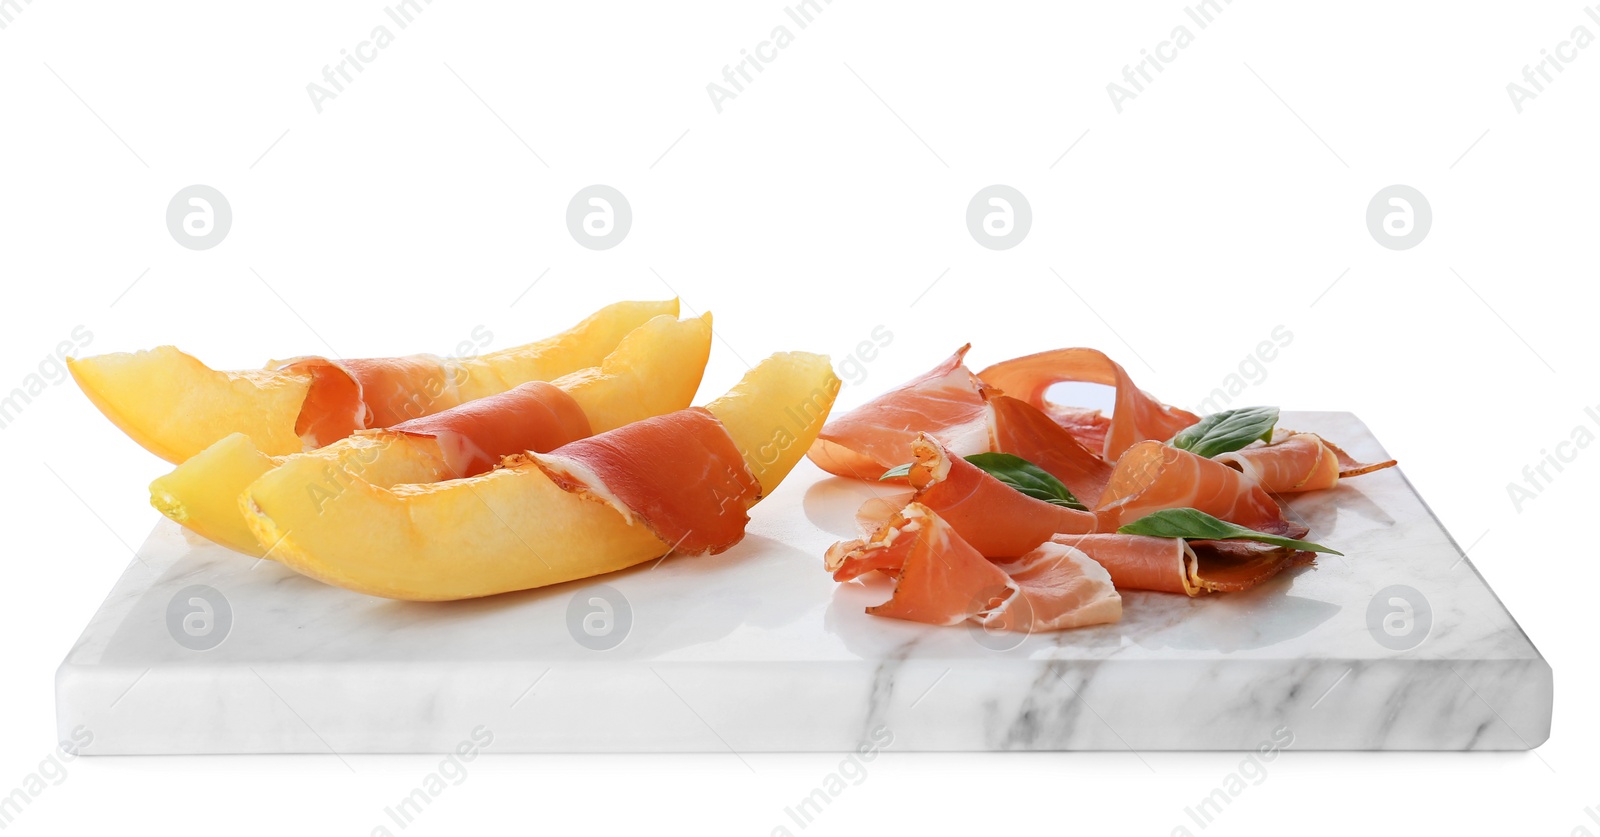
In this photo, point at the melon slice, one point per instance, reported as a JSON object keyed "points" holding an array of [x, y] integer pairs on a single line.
{"points": [[655, 369], [175, 406], [512, 528]]}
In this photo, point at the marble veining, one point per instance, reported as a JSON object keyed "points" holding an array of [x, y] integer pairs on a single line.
{"points": [[758, 649]]}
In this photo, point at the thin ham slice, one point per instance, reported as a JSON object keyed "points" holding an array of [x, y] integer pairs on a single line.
{"points": [[1138, 562], [1296, 462], [680, 474], [1236, 566], [1059, 588], [1350, 467], [942, 580], [1153, 476], [475, 436], [882, 551], [1021, 429], [996, 519], [350, 395], [1173, 565], [1137, 415], [872, 438]]}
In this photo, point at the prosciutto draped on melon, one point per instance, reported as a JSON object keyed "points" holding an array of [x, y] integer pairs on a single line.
{"points": [[655, 369], [176, 406], [681, 482]]}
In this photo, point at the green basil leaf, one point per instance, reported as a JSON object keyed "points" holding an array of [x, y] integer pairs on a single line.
{"points": [[1027, 478], [1196, 524], [1016, 472], [1227, 431]]}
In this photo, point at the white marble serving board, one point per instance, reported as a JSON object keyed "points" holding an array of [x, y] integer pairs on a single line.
{"points": [[758, 649]]}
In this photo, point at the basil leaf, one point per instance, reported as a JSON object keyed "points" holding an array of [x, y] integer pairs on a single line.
{"points": [[1193, 523], [1227, 431], [1016, 472], [1027, 478]]}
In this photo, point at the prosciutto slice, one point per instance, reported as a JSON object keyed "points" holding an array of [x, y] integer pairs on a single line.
{"points": [[1153, 476], [366, 393], [940, 579], [1137, 416], [1059, 587], [350, 395], [1173, 565], [1021, 429], [945, 403], [1296, 462], [680, 474], [996, 519], [474, 436]]}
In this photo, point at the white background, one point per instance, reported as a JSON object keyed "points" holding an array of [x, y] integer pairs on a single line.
{"points": [[820, 203]]}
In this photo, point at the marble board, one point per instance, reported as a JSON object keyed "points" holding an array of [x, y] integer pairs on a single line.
{"points": [[1399, 645]]}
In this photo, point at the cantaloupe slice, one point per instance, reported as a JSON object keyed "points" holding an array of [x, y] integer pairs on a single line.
{"points": [[511, 529], [176, 406], [655, 369]]}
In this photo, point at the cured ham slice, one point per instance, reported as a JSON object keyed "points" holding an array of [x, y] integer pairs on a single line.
{"points": [[1136, 417], [1350, 467], [1296, 462], [943, 580], [1153, 476], [1059, 587], [1018, 428], [1138, 562], [996, 519], [473, 437], [1236, 566], [344, 396], [876, 436], [350, 395], [679, 474], [1173, 565], [883, 551]]}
